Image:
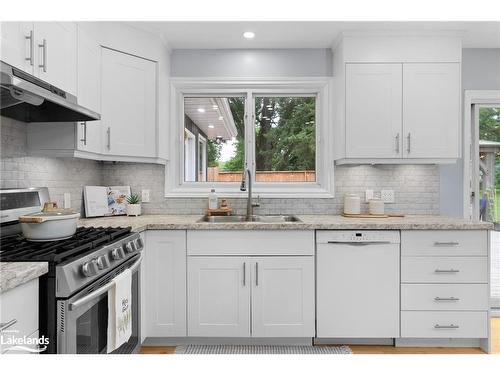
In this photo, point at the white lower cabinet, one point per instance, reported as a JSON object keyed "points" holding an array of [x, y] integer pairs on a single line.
{"points": [[164, 285], [251, 297], [218, 296]]}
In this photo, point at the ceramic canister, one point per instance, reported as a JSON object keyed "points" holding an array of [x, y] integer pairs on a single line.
{"points": [[376, 207], [352, 204]]}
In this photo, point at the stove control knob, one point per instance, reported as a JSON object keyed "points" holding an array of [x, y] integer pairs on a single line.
{"points": [[138, 243], [116, 254], [89, 268], [102, 262], [129, 247]]}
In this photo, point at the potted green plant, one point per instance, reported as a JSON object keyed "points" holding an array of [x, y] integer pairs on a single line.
{"points": [[133, 205]]}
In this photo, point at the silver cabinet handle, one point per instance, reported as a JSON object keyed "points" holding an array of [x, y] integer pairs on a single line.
{"points": [[441, 299], [84, 139], [408, 140], [451, 326], [4, 326], [256, 273], [30, 58], [109, 138], [244, 273], [43, 46], [452, 243], [397, 144], [451, 270]]}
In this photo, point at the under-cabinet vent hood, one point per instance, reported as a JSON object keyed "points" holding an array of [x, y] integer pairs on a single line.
{"points": [[29, 99]]}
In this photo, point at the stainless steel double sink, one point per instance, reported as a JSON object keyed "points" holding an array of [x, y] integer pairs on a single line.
{"points": [[272, 219]]}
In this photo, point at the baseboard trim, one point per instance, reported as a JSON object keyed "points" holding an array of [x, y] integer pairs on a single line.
{"points": [[448, 343], [174, 341], [354, 341]]}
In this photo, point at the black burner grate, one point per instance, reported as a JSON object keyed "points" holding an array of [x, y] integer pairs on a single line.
{"points": [[17, 249]]}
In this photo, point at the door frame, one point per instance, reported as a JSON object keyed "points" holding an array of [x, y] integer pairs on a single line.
{"points": [[473, 98]]}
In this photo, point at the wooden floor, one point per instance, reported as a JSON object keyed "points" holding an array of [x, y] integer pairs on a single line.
{"points": [[375, 349]]}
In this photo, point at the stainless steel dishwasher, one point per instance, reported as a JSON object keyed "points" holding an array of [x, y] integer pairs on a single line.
{"points": [[357, 284]]}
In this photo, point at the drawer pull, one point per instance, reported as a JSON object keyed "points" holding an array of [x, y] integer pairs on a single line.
{"points": [[451, 326], [452, 243], [4, 326], [440, 299], [446, 271]]}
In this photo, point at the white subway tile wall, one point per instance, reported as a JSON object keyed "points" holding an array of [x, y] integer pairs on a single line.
{"points": [[60, 175], [416, 187]]}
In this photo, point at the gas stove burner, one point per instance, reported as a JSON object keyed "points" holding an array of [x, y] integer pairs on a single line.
{"points": [[16, 248]]}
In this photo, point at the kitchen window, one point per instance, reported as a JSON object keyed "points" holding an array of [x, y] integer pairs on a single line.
{"points": [[278, 130]]}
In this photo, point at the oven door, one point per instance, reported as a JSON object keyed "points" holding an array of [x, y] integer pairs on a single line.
{"points": [[82, 320]]}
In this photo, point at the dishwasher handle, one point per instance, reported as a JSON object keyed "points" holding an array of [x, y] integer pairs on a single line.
{"points": [[360, 243]]}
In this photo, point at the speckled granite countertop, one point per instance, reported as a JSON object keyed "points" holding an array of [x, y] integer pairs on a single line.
{"points": [[309, 222], [13, 274]]}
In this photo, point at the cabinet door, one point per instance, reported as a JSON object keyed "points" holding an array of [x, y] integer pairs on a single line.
{"points": [[283, 297], [89, 90], [357, 291], [17, 46], [128, 111], [55, 52], [218, 297], [373, 110], [166, 283], [431, 110]]}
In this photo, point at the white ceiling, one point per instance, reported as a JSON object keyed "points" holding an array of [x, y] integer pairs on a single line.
{"points": [[280, 34], [216, 119]]}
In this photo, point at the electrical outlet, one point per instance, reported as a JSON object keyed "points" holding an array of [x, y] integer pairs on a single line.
{"points": [[145, 196], [387, 196], [368, 195]]}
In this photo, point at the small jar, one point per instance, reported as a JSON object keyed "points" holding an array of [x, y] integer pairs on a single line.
{"points": [[352, 204], [376, 207]]}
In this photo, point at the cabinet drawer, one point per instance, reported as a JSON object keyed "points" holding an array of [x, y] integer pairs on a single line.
{"points": [[444, 324], [20, 303], [444, 270], [444, 297], [444, 243], [250, 242]]}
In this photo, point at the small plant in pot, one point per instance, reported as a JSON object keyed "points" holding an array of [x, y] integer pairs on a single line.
{"points": [[133, 205]]}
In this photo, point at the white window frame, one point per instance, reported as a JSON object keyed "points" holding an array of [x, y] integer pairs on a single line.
{"points": [[175, 186], [473, 99], [202, 140]]}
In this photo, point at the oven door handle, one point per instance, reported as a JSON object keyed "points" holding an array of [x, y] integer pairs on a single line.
{"points": [[102, 289]]}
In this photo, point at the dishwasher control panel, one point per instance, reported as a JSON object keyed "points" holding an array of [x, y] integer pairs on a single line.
{"points": [[334, 236]]}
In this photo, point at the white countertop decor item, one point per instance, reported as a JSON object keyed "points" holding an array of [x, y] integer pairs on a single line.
{"points": [[105, 200], [376, 207], [352, 204], [133, 205]]}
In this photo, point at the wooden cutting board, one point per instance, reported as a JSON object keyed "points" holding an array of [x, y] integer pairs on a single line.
{"points": [[370, 216]]}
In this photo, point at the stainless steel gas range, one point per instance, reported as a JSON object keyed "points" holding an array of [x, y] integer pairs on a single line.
{"points": [[74, 294]]}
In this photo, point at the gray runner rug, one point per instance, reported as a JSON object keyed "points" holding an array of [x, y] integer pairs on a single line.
{"points": [[261, 349]]}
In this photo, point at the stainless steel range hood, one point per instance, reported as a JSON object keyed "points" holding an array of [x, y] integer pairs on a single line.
{"points": [[29, 99]]}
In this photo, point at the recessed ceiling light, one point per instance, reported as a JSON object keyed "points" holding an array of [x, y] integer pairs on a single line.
{"points": [[215, 106], [210, 126], [248, 34], [201, 110], [221, 118]]}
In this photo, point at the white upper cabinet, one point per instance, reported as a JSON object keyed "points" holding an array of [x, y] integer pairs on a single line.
{"points": [[55, 54], [373, 110], [128, 94], [18, 45], [45, 49], [431, 110], [89, 90]]}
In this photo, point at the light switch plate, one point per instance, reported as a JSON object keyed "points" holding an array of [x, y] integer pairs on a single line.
{"points": [[368, 194], [145, 196], [67, 200], [387, 196]]}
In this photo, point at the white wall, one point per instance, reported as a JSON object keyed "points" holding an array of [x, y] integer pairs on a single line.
{"points": [[251, 63], [480, 71]]}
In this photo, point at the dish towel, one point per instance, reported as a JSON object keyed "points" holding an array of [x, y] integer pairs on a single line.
{"points": [[120, 311]]}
